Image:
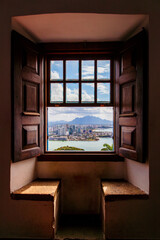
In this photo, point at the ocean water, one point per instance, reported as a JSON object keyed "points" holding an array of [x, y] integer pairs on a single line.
{"points": [[86, 145]]}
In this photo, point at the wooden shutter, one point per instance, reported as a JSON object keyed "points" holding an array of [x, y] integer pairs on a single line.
{"points": [[130, 98], [27, 98]]}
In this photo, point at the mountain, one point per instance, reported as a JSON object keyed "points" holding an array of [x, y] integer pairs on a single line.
{"points": [[90, 120], [87, 120]]}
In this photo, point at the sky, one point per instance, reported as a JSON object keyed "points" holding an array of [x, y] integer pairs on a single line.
{"points": [[70, 113], [72, 69], [87, 70], [72, 73], [103, 69]]}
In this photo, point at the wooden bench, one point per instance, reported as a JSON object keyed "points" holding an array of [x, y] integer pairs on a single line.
{"points": [[120, 208], [42, 190]]}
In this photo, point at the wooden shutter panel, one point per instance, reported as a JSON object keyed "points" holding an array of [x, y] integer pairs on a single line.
{"points": [[27, 98], [130, 98]]}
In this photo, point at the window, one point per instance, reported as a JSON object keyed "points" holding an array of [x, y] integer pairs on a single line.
{"points": [[80, 103], [83, 78]]}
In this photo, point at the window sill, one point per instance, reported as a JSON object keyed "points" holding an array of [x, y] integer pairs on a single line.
{"points": [[82, 157]]}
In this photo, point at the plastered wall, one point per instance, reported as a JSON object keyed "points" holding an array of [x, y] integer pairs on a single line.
{"points": [[24, 219], [80, 182], [137, 174], [22, 173]]}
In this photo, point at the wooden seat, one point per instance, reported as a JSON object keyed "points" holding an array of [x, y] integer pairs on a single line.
{"points": [[120, 189], [42, 190], [121, 206]]}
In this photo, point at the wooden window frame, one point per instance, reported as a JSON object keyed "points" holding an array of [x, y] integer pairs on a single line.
{"points": [[137, 43], [81, 56]]}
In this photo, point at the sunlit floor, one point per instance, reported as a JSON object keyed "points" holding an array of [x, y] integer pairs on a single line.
{"points": [[80, 227]]}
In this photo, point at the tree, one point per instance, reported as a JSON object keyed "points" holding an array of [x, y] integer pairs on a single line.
{"points": [[107, 147], [69, 148]]}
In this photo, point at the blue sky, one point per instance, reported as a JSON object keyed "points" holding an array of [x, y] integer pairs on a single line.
{"points": [[72, 70], [103, 69], [88, 70], [72, 92], [70, 113], [57, 70], [56, 92], [87, 92], [103, 92]]}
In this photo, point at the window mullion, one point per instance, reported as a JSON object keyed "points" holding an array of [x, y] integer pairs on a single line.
{"points": [[80, 82], [64, 81], [95, 77], [48, 83]]}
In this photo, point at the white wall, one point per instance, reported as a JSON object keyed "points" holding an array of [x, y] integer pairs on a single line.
{"points": [[137, 174], [17, 219], [22, 173]]}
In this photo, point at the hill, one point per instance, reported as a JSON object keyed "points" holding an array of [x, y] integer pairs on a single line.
{"points": [[87, 120]]}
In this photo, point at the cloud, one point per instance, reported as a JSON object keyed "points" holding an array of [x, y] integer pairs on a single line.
{"points": [[56, 92], [72, 94], [88, 72], [89, 84], [69, 113], [103, 88], [57, 63], [62, 110], [104, 69], [100, 76], [88, 77], [104, 64], [87, 97], [55, 75], [84, 110]]}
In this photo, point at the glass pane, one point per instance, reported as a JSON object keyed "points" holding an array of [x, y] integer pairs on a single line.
{"points": [[72, 92], [80, 129], [88, 70], [72, 70], [56, 70], [87, 92], [103, 69], [56, 93], [103, 92]]}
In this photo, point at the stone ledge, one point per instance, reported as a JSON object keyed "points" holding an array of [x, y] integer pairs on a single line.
{"points": [[114, 190], [38, 190]]}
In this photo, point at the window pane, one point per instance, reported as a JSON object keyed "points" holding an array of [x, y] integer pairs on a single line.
{"points": [[80, 129], [72, 70], [72, 92], [56, 95], [87, 92], [103, 69], [103, 92], [56, 72], [88, 70]]}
